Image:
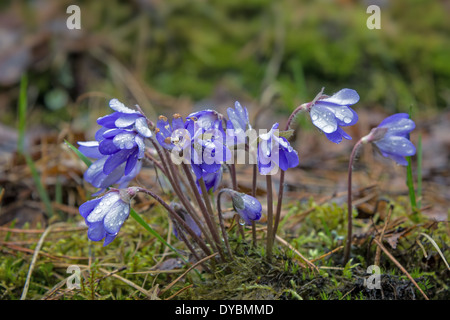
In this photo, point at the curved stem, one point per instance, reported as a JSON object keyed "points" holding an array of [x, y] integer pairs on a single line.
{"points": [[301, 107], [270, 236], [348, 240]]}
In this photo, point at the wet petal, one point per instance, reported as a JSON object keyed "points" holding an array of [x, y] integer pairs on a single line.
{"points": [[118, 106], [115, 160], [126, 120], [107, 147], [96, 231], [116, 217], [142, 127], [90, 149], [323, 118], [109, 120], [344, 97], [396, 145], [86, 208], [125, 140], [131, 162], [103, 207]]}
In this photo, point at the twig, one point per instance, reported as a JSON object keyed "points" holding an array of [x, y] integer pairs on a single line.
{"points": [[312, 265], [180, 291], [400, 266], [378, 253], [189, 269], [327, 254]]}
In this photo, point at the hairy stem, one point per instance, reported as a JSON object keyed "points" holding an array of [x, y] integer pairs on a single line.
{"points": [[270, 237], [348, 240], [255, 177]]}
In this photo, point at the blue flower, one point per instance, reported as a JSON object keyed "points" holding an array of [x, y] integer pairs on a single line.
{"points": [[105, 215], [237, 125], [248, 207], [329, 114], [212, 179], [118, 147], [275, 151], [394, 142], [209, 149], [172, 137]]}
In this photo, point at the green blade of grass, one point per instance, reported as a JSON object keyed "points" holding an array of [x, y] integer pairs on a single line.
{"points": [[39, 186], [419, 172], [410, 184], [78, 153], [22, 107]]}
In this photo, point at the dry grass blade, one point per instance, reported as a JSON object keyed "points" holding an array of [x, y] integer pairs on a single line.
{"points": [[437, 248], [148, 294], [400, 267], [33, 262]]}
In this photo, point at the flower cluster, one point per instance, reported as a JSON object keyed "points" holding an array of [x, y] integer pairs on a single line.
{"points": [[205, 144]]}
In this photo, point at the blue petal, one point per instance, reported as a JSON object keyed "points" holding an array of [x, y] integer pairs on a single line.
{"points": [[131, 162], [90, 149], [396, 145], [142, 127], [323, 118], [86, 208], [115, 160], [96, 231], [109, 120], [116, 217], [344, 97], [107, 147], [108, 239], [118, 106], [126, 120]]}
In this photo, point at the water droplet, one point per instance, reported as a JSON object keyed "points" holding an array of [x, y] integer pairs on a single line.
{"points": [[242, 222]]}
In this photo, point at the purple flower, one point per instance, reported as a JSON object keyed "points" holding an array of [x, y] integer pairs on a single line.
{"points": [[212, 179], [172, 137], [329, 114], [237, 125], [391, 137], [118, 147], [275, 151], [209, 149], [248, 207], [105, 215]]}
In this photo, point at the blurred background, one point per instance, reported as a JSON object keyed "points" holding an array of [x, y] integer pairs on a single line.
{"points": [[179, 56]]}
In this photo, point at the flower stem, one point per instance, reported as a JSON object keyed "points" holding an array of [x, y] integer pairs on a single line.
{"points": [[348, 240], [255, 177], [222, 226], [270, 237], [211, 214], [203, 208], [175, 216]]}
